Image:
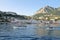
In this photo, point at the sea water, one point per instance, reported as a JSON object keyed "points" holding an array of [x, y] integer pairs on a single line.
{"points": [[30, 32]]}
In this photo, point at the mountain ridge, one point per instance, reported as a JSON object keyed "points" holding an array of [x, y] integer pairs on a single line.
{"points": [[47, 11]]}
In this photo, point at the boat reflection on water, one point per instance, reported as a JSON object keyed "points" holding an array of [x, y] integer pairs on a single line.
{"points": [[48, 31]]}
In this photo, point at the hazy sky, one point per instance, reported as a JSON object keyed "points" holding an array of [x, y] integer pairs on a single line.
{"points": [[26, 7]]}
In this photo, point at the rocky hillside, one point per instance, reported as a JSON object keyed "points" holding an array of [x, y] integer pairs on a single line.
{"points": [[47, 11], [5, 16]]}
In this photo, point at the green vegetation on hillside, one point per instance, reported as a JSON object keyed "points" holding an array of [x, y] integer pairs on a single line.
{"points": [[47, 12], [6, 16]]}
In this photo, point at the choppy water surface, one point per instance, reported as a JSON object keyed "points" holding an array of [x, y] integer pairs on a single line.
{"points": [[31, 32]]}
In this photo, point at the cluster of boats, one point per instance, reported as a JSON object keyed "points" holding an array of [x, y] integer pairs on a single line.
{"points": [[23, 23]]}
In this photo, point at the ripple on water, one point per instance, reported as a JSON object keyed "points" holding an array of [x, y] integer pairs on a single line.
{"points": [[29, 33], [28, 38]]}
